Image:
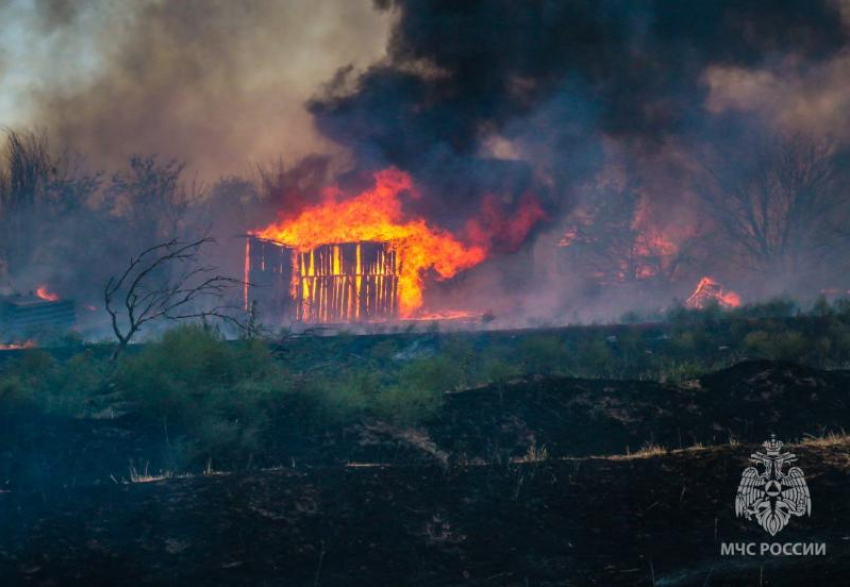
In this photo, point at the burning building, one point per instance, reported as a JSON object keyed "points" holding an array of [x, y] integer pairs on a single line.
{"points": [[351, 259], [341, 282]]}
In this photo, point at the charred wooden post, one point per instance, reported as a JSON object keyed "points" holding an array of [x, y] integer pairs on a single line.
{"points": [[268, 278]]}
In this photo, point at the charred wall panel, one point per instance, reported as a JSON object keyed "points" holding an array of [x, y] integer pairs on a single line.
{"points": [[25, 316], [343, 282], [268, 270]]}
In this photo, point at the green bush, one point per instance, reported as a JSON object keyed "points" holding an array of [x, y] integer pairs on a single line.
{"points": [[822, 307], [498, 370], [407, 404], [213, 391], [16, 395], [346, 396], [69, 388], [786, 345], [224, 400], [757, 343], [594, 358], [543, 354], [678, 371], [779, 307]]}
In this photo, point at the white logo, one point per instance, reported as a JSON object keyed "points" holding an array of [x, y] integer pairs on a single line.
{"points": [[772, 496]]}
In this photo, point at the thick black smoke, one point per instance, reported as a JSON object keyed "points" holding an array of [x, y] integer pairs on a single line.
{"points": [[551, 78]]}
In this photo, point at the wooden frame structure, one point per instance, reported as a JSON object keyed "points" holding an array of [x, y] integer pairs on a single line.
{"points": [[341, 282]]}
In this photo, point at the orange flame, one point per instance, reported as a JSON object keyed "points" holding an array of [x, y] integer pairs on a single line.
{"points": [[46, 295], [446, 315], [16, 346], [494, 229], [376, 215], [707, 290]]}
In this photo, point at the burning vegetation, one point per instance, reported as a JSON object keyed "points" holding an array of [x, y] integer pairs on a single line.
{"points": [[45, 294], [17, 346], [709, 292]]}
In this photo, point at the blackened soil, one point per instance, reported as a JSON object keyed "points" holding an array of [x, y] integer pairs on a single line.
{"points": [[642, 521], [581, 417]]}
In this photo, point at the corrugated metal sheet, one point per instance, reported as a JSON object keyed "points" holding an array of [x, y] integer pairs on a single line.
{"points": [[23, 315]]}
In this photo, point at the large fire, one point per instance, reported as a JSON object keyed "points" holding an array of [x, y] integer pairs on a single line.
{"points": [[408, 247]]}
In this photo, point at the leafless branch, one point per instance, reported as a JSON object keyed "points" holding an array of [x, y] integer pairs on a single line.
{"points": [[778, 212], [149, 290]]}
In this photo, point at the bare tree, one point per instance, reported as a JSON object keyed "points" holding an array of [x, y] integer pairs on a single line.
{"points": [[606, 240], [39, 193], [153, 196], [150, 289], [781, 210]]}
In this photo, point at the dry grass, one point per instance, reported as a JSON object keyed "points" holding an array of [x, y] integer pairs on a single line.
{"points": [[144, 476], [534, 454], [829, 440], [650, 449]]}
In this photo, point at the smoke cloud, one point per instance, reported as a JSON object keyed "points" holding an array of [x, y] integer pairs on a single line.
{"points": [[220, 84], [465, 84]]}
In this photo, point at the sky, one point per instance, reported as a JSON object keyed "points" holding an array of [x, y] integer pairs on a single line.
{"points": [[221, 83], [226, 85]]}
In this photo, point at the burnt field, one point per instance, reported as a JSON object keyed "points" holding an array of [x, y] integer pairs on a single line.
{"points": [[656, 520], [419, 458]]}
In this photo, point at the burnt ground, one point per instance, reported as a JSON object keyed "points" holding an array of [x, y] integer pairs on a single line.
{"points": [[581, 417], [449, 502], [642, 521]]}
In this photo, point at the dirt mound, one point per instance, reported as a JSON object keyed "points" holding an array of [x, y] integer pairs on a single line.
{"points": [[638, 521]]}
